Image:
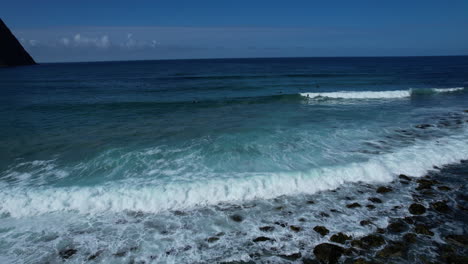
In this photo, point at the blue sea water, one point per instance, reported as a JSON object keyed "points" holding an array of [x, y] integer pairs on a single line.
{"points": [[145, 160]]}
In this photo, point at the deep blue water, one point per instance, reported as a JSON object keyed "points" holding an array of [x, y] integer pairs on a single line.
{"points": [[84, 143]]}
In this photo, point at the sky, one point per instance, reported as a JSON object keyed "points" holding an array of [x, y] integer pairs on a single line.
{"points": [[101, 30]]}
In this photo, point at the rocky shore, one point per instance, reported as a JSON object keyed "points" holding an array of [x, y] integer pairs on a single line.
{"points": [[410, 239]]}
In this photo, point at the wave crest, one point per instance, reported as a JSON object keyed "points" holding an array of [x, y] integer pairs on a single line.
{"points": [[380, 94]]}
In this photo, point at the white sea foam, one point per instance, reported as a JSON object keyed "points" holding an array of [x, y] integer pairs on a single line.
{"points": [[119, 196], [378, 94]]}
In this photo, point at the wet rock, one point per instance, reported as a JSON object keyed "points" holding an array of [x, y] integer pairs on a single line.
{"points": [[423, 126], [459, 240], [455, 259], [409, 220], [295, 228], [361, 261], [380, 230], [67, 253], [369, 241], [328, 253], [237, 218], [266, 228], [323, 214], [370, 206], [393, 250], [404, 177], [212, 239], [310, 261], [282, 224], [440, 207], [417, 209], [409, 238], [339, 238], [95, 255], [444, 188], [302, 219], [321, 230], [365, 222], [353, 205], [422, 229], [384, 189], [425, 184], [292, 257], [262, 239], [375, 200], [310, 202], [397, 226]]}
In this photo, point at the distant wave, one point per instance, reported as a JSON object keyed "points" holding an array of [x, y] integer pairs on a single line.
{"points": [[380, 94]]}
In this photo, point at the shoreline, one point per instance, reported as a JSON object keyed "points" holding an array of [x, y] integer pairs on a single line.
{"points": [[416, 238]]}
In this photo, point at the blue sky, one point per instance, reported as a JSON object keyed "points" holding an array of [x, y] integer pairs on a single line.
{"points": [[126, 30]]}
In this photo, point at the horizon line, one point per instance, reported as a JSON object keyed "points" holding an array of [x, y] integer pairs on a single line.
{"points": [[245, 58]]}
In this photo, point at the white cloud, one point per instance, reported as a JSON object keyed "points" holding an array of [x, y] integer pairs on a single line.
{"points": [[100, 42], [65, 41]]}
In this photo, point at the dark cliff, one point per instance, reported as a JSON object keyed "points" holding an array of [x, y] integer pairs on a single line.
{"points": [[11, 51]]}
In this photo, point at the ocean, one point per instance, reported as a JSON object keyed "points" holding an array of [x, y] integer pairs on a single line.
{"points": [[183, 161]]}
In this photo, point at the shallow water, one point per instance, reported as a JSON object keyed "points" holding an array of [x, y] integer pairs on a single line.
{"points": [[147, 160]]}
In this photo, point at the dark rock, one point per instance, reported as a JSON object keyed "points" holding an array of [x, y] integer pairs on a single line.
{"points": [[321, 230], [393, 250], [95, 255], [459, 240], [237, 218], [328, 253], [212, 239], [409, 238], [422, 229], [267, 228], [282, 224], [365, 222], [417, 209], [339, 238], [455, 259], [370, 206], [292, 257], [423, 126], [262, 239], [310, 202], [371, 241], [310, 261], [295, 228], [404, 177], [302, 219], [323, 214], [361, 261], [440, 207], [384, 189], [380, 230], [66, 253], [425, 184], [397, 226], [353, 205], [375, 200], [409, 220], [444, 188], [12, 52]]}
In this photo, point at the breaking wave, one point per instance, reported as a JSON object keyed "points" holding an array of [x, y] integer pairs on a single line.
{"points": [[380, 94], [121, 196]]}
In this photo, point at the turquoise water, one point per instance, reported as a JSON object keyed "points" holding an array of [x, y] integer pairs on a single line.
{"points": [[87, 145]]}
